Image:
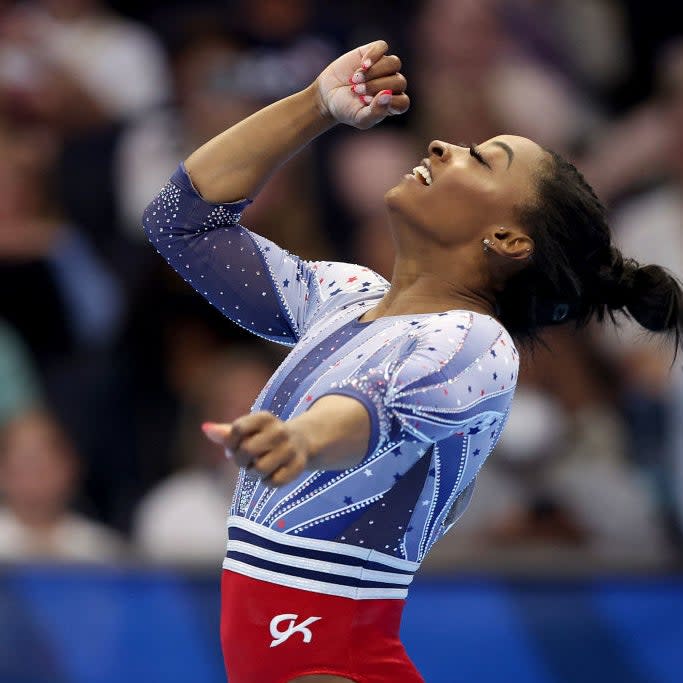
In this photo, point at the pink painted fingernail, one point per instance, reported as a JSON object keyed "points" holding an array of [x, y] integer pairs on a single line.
{"points": [[207, 425], [385, 97], [366, 98], [358, 88], [358, 77], [367, 63]]}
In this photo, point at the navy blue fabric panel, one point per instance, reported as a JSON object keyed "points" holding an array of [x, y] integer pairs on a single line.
{"points": [[308, 368], [385, 522]]}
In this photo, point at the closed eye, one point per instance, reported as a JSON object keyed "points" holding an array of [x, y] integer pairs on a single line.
{"points": [[474, 152]]}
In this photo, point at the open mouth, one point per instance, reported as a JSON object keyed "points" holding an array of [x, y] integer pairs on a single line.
{"points": [[422, 174]]}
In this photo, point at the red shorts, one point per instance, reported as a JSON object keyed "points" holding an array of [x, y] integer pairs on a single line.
{"points": [[273, 634]]}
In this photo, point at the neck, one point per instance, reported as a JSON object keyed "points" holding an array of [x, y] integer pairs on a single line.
{"points": [[433, 287]]}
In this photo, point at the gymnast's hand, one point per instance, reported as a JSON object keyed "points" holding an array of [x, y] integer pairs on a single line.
{"points": [[362, 87], [263, 443]]}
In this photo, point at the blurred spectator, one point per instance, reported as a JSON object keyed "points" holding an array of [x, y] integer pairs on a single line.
{"points": [[64, 303], [586, 40], [182, 519], [38, 479], [77, 64], [648, 228], [286, 51], [209, 64], [45, 257], [474, 79], [643, 147], [19, 385]]}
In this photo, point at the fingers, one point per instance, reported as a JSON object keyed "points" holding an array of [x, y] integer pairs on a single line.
{"points": [[246, 426], [217, 433], [371, 53], [274, 460], [396, 83], [289, 472], [399, 104], [386, 66], [231, 435], [379, 85], [382, 105], [260, 442]]}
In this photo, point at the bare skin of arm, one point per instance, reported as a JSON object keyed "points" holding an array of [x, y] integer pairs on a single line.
{"points": [[332, 434], [238, 162]]}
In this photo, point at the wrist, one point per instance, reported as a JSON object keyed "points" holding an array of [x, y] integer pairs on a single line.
{"points": [[312, 92], [303, 437]]}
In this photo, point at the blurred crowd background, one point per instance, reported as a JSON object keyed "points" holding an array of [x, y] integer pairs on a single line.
{"points": [[109, 362]]}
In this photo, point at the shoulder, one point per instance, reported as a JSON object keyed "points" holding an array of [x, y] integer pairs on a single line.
{"points": [[459, 328], [453, 344]]}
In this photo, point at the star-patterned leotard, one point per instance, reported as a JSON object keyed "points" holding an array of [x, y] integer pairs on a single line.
{"points": [[437, 388]]}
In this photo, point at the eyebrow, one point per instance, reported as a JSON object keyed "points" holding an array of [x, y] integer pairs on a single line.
{"points": [[507, 148]]}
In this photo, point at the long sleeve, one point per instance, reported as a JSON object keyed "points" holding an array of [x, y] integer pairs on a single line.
{"points": [[251, 280]]}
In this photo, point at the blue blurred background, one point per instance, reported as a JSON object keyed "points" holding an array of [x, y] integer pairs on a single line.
{"points": [[568, 566]]}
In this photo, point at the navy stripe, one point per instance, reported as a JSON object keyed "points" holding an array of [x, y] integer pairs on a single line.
{"points": [[352, 581], [238, 534]]}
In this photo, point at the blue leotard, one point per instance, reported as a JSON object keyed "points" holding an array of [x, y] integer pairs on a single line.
{"points": [[437, 387]]}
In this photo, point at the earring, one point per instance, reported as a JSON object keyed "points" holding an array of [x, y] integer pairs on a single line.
{"points": [[487, 244]]}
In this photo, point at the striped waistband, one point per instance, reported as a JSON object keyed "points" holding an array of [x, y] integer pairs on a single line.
{"points": [[315, 565]]}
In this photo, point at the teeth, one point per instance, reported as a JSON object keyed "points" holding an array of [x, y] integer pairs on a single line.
{"points": [[424, 172]]}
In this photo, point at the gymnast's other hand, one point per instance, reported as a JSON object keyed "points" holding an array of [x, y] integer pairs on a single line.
{"points": [[362, 87], [263, 443]]}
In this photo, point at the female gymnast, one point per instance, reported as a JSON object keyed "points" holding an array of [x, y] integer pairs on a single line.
{"points": [[363, 448]]}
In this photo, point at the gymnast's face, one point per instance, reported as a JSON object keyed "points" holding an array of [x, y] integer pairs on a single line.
{"points": [[461, 193]]}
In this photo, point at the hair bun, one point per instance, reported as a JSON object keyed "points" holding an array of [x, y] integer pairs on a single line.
{"points": [[655, 300], [618, 281]]}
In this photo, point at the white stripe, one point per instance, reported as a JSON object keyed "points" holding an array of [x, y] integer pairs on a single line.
{"points": [[315, 586], [367, 554], [319, 565]]}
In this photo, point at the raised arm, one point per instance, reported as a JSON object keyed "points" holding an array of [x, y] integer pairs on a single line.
{"points": [[355, 89], [193, 221]]}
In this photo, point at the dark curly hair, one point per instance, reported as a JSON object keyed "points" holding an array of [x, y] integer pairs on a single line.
{"points": [[576, 273]]}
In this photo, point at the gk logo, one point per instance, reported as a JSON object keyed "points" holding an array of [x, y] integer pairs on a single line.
{"points": [[279, 637]]}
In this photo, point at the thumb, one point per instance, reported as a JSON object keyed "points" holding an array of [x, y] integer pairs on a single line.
{"points": [[217, 433], [380, 103], [377, 110]]}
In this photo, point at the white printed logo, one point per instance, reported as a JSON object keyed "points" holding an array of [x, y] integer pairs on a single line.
{"points": [[279, 637]]}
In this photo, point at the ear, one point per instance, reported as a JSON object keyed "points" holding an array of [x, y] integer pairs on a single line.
{"points": [[511, 243]]}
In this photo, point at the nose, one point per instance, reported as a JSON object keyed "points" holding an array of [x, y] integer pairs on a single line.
{"points": [[439, 149]]}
